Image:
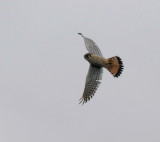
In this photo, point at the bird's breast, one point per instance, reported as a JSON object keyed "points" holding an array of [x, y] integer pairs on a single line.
{"points": [[97, 61]]}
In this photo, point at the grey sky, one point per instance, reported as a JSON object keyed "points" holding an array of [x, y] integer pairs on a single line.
{"points": [[43, 71]]}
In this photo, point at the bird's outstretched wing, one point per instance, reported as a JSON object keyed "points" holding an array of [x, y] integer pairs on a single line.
{"points": [[92, 83], [91, 46]]}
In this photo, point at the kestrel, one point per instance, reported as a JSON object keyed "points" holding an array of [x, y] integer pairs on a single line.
{"points": [[97, 62]]}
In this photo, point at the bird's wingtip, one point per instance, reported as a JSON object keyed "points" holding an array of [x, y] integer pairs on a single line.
{"points": [[80, 34]]}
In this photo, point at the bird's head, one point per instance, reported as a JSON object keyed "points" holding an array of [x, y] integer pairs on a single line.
{"points": [[88, 56]]}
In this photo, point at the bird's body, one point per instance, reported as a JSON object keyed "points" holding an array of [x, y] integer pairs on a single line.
{"points": [[97, 62], [111, 64]]}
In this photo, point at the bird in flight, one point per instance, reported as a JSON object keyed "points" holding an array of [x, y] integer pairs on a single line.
{"points": [[97, 62]]}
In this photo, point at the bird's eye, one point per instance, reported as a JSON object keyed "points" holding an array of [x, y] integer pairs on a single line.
{"points": [[89, 55]]}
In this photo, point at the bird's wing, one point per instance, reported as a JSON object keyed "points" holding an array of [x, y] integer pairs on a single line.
{"points": [[91, 46], [92, 82]]}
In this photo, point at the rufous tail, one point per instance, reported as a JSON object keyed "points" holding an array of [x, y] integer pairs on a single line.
{"points": [[114, 65]]}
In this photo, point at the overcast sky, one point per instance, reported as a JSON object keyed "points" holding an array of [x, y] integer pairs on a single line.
{"points": [[42, 71]]}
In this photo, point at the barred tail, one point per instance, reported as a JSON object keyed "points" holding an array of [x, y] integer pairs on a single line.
{"points": [[114, 65]]}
